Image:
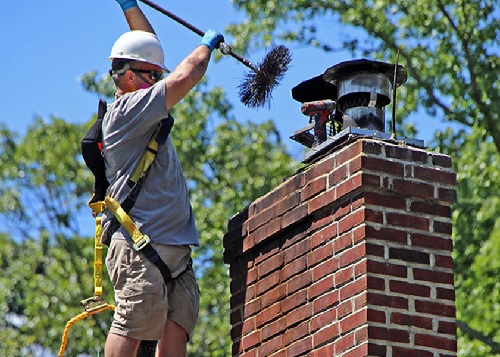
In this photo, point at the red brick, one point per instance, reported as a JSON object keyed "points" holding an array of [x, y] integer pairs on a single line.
{"points": [[370, 180], [326, 301], [322, 351], [374, 215], [251, 308], [387, 300], [271, 346], [407, 288], [267, 315], [434, 308], [351, 184], [410, 352], [351, 221], [433, 275], [386, 234], [388, 334], [270, 265], [344, 343], [441, 160], [430, 241], [432, 208], [319, 169], [359, 350], [397, 152], [274, 328], [383, 165], [375, 283], [375, 250], [295, 333], [408, 221], [387, 269], [348, 153], [322, 201], [267, 283], [328, 333], [273, 296], [410, 320], [385, 200], [444, 261], [447, 195], [352, 255], [342, 242], [293, 268], [260, 219], [294, 251], [412, 188], [322, 319], [344, 308], [320, 254], [292, 301], [353, 321], [344, 276], [294, 216], [320, 287], [312, 188], [267, 230], [326, 268], [445, 294], [324, 235], [433, 175], [434, 341], [353, 288], [299, 347], [299, 282], [338, 174], [292, 185], [409, 255], [443, 227], [341, 210], [250, 340], [286, 204], [373, 315], [447, 327]]}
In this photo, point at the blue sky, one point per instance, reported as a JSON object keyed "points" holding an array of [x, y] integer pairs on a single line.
{"points": [[48, 45]]}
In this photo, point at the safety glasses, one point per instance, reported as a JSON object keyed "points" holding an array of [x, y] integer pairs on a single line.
{"points": [[155, 76]]}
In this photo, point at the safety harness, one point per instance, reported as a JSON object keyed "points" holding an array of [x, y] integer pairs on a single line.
{"points": [[92, 154]]}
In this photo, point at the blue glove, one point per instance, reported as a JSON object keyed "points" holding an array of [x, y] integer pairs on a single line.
{"points": [[127, 4], [211, 39]]}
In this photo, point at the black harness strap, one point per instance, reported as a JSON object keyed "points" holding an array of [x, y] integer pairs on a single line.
{"points": [[93, 158]]}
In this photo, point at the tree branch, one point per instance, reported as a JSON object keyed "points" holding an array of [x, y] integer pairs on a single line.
{"points": [[495, 347]]}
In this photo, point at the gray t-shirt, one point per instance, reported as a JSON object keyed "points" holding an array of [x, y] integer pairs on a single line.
{"points": [[162, 209]]}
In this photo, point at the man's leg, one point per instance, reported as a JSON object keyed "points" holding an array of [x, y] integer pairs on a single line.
{"points": [[173, 342], [120, 346]]}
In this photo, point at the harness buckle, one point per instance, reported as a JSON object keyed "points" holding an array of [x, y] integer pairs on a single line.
{"points": [[141, 242], [93, 303]]}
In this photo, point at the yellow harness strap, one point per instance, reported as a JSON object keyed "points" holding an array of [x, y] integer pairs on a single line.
{"points": [[94, 304], [140, 240]]}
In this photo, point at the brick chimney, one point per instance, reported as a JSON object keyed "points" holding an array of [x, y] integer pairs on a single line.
{"points": [[350, 256]]}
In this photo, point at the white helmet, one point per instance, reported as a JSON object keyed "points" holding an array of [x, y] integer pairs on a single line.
{"points": [[139, 46]]}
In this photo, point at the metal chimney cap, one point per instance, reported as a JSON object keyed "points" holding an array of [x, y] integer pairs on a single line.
{"points": [[333, 74]]}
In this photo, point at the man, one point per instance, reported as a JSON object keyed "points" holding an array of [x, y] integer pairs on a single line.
{"points": [[146, 309]]}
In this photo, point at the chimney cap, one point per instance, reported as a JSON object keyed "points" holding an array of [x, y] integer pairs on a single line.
{"points": [[324, 86], [343, 69]]}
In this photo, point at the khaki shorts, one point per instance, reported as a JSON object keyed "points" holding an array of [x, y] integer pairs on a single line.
{"points": [[143, 304]]}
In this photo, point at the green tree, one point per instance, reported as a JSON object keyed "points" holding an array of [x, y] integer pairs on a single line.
{"points": [[451, 52]]}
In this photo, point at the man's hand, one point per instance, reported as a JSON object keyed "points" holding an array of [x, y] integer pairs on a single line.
{"points": [[127, 4], [211, 39]]}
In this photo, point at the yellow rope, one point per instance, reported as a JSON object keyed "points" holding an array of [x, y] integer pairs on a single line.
{"points": [[76, 319]]}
